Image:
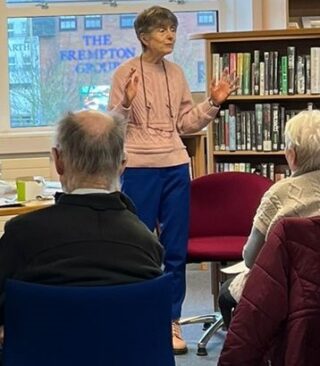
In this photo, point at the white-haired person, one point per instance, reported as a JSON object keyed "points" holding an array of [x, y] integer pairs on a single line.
{"points": [[153, 94], [91, 236], [297, 195]]}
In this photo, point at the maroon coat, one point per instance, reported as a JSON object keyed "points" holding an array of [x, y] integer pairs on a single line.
{"points": [[277, 321]]}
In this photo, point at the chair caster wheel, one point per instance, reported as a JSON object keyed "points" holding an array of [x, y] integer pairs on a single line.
{"points": [[206, 326], [202, 351]]}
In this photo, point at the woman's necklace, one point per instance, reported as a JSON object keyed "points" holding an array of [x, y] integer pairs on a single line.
{"points": [[144, 87]]}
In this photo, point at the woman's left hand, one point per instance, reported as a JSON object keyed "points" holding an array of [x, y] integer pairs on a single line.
{"points": [[227, 84]]}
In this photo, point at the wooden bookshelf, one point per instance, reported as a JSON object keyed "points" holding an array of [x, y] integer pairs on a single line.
{"points": [[196, 146], [247, 42]]}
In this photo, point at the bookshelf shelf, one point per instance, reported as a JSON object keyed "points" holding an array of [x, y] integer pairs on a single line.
{"points": [[262, 98], [248, 152], [280, 76]]}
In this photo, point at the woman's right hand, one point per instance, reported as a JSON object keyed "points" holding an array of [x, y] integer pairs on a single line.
{"points": [[130, 88]]}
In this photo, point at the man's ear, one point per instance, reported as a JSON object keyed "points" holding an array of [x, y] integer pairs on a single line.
{"points": [[123, 163], [291, 157], [56, 154]]}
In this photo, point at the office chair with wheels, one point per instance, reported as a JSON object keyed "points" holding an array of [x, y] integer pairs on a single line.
{"points": [[222, 209], [109, 325]]}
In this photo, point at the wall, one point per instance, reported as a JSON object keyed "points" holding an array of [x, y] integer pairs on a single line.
{"points": [[246, 15]]}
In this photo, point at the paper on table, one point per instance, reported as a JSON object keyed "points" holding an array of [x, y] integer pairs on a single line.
{"points": [[234, 269]]}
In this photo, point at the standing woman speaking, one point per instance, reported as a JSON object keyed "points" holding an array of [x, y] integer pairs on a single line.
{"points": [[153, 94]]}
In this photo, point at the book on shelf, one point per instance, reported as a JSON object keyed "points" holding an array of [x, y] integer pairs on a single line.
{"points": [[271, 73], [315, 70], [291, 51], [240, 72], [232, 127], [261, 129], [246, 78], [301, 75], [284, 75], [269, 170], [275, 72], [275, 138]]}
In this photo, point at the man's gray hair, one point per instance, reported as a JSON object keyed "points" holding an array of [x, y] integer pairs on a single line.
{"points": [[89, 152], [302, 133]]}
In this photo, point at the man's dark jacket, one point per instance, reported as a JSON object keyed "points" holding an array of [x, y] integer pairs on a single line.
{"points": [[90, 239]]}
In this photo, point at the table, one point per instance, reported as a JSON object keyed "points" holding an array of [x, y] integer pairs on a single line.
{"points": [[26, 207]]}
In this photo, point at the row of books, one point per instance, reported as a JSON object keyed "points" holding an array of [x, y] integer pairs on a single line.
{"points": [[269, 170], [270, 72], [261, 129]]}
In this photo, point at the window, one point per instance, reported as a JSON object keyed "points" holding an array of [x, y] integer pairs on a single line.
{"points": [[207, 18], [68, 23], [126, 21], [201, 72], [63, 58], [93, 22]]}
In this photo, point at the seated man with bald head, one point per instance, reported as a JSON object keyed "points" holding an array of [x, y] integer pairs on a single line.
{"points": [[91, 235]]}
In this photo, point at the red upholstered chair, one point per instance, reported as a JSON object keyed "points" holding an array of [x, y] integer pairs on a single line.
{"points": [[222, 209]]}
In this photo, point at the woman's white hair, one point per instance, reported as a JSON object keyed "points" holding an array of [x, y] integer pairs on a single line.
{"points": [[302, 133]]}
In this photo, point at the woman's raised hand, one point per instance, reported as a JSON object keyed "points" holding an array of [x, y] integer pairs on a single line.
{"points": [[130, 88], [221, 90]]}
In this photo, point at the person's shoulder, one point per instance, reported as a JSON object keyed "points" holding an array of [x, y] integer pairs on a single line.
{"points": [[280, 185], [25, 222], [126, 66], [172, 66]]}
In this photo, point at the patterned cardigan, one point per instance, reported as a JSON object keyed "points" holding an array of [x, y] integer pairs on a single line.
{"points": [[296, 196]]}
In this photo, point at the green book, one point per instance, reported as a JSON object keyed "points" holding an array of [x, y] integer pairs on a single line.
{"points": [[284, 75], [246, 73]]}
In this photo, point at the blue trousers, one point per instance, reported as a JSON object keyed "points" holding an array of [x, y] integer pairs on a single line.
{"points": [[162, 199]]}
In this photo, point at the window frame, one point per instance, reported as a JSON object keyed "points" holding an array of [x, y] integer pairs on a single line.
{"points": [[92, 18], [68, 21], [39, 139]]}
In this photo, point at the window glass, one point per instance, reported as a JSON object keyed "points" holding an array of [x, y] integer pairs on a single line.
{"points": [[93, 22], [58, 64]]}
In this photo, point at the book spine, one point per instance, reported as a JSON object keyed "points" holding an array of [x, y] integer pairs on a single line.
{"points": [[240, 72], [246, 73], [284, 75], [226, 128], [216, 67], [222, 139], [291, 52], [301, 81], [282, 126], [259, 126], [261, 83], [266, 109], [315, 70], [238, 129], [232, 127], [243, 130], [276, 73], [266, 72], [308, 73], [248, 131], [233, 67], [271, 72], [216, 137], [275, 126], [253, 131], [256, 72]]}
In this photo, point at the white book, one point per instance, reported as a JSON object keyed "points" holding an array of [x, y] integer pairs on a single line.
{"points": [[315, 70], [235, 268], [216, 67]]}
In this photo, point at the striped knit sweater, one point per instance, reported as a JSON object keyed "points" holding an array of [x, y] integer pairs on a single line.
{"points": [[153, 136]]}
